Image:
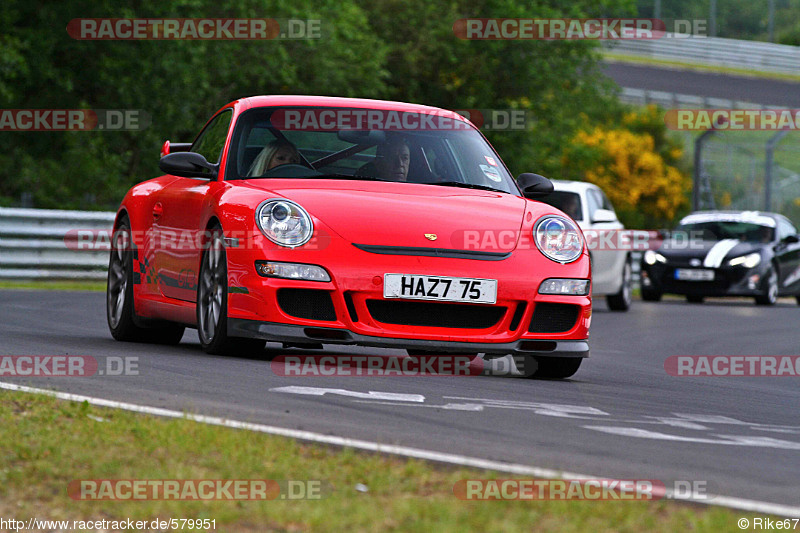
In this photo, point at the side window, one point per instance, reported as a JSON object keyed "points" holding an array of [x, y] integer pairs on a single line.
{"points": [[212, 139], [605, 202], [593, 202], [785, 229]]}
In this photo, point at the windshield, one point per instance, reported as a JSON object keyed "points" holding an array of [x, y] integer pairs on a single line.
{"points": [[720, 229], [393, 146]]}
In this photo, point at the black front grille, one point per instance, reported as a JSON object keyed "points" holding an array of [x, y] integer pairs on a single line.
{"points": [[435, 314], [312, 304], [554, 318]]}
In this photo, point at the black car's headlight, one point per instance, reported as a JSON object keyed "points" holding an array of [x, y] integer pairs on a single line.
{"points": [[558, 238], [651, 257], [284, 222], [749, 260]]}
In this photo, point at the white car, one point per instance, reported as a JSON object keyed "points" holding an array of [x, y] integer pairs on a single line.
{"points": [[590, 208]]}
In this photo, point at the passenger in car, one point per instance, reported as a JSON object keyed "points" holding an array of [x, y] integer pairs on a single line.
{"points": [[275, 153]]}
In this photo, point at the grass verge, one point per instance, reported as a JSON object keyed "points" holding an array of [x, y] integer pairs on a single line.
{"points": [[55, 285], [46, 443]]}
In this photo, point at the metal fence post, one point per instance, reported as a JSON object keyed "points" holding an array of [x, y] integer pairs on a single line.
{"points": [[770, 155]]}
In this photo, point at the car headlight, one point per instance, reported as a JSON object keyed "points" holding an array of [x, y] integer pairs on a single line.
{"points": [[650, 257], [275, 269], [749, 260], [558, 238], [284, 222], [569, 287]]}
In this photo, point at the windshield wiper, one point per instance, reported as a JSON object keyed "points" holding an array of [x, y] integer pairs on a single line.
{"points": [[348, 177], [464, 185]]}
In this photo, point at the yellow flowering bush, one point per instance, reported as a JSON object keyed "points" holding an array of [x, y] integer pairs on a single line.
{"points": [[635, 164]]}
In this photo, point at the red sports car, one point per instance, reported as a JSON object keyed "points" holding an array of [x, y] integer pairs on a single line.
{"points": [[315, 220]]}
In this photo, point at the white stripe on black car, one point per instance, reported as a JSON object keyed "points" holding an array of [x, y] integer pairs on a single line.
{"points": [[718, 252]]}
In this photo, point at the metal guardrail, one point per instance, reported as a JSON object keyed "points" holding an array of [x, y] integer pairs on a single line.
{"points": [[669, 100], [715, 51], [43, 244]]}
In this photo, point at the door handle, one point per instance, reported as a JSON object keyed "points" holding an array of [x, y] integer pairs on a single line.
{"points": [[158, 210]]}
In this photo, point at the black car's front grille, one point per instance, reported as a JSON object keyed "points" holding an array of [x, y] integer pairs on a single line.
{"points": [[435, 314], [724, 279], [553, 318], [312, 304]]}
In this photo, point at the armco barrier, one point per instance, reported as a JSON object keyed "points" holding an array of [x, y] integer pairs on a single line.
{"points": [[34, 244], [715, 51]]}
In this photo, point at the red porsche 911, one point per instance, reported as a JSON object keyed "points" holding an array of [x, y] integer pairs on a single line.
{"points": [[315, 220]]}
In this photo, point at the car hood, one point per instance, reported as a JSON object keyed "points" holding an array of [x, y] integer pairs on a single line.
{"points": [[711, 254], [402, 214]]}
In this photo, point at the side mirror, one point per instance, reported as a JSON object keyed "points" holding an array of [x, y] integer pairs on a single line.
{"points": [[187, 165], [169, 147], [791, 239], [534, 185], [604, 215]]}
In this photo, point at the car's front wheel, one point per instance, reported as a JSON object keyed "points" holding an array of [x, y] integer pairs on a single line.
{"points": [[120, 311], [212, 303], [621, 301], [770, 294], [649, 295]]}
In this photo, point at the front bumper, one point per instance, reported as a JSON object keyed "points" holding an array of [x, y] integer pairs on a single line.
{"points": [[303, 335], [728, 281], [351, 308]]}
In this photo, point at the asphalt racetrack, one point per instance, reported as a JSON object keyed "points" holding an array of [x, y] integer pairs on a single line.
{"points": [[621, 416]]}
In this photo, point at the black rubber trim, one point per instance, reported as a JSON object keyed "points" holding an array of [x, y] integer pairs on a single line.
{"points": [[433, 252], [351, 308], [517, 318], [271, 331]]}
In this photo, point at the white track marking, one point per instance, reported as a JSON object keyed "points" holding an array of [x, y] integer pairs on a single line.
{"points": [[404, 451], [371, 395], [730, 440]]}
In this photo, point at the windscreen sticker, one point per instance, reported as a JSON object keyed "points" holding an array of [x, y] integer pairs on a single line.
{"points": [[490, 160], [491, 173]]}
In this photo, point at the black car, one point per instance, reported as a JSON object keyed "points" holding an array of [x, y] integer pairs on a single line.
{"points": [[725, 253]]}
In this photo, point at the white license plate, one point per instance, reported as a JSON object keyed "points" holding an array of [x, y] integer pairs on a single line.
{"points": [[442, 288], [694, 274]]}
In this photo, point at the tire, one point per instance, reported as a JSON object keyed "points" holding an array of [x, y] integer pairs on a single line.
{"points": [[649, 295], [212, 304], [694, 298], [770, 294], [556, 367], [120, 312], [798, 299], [621, 301]]}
